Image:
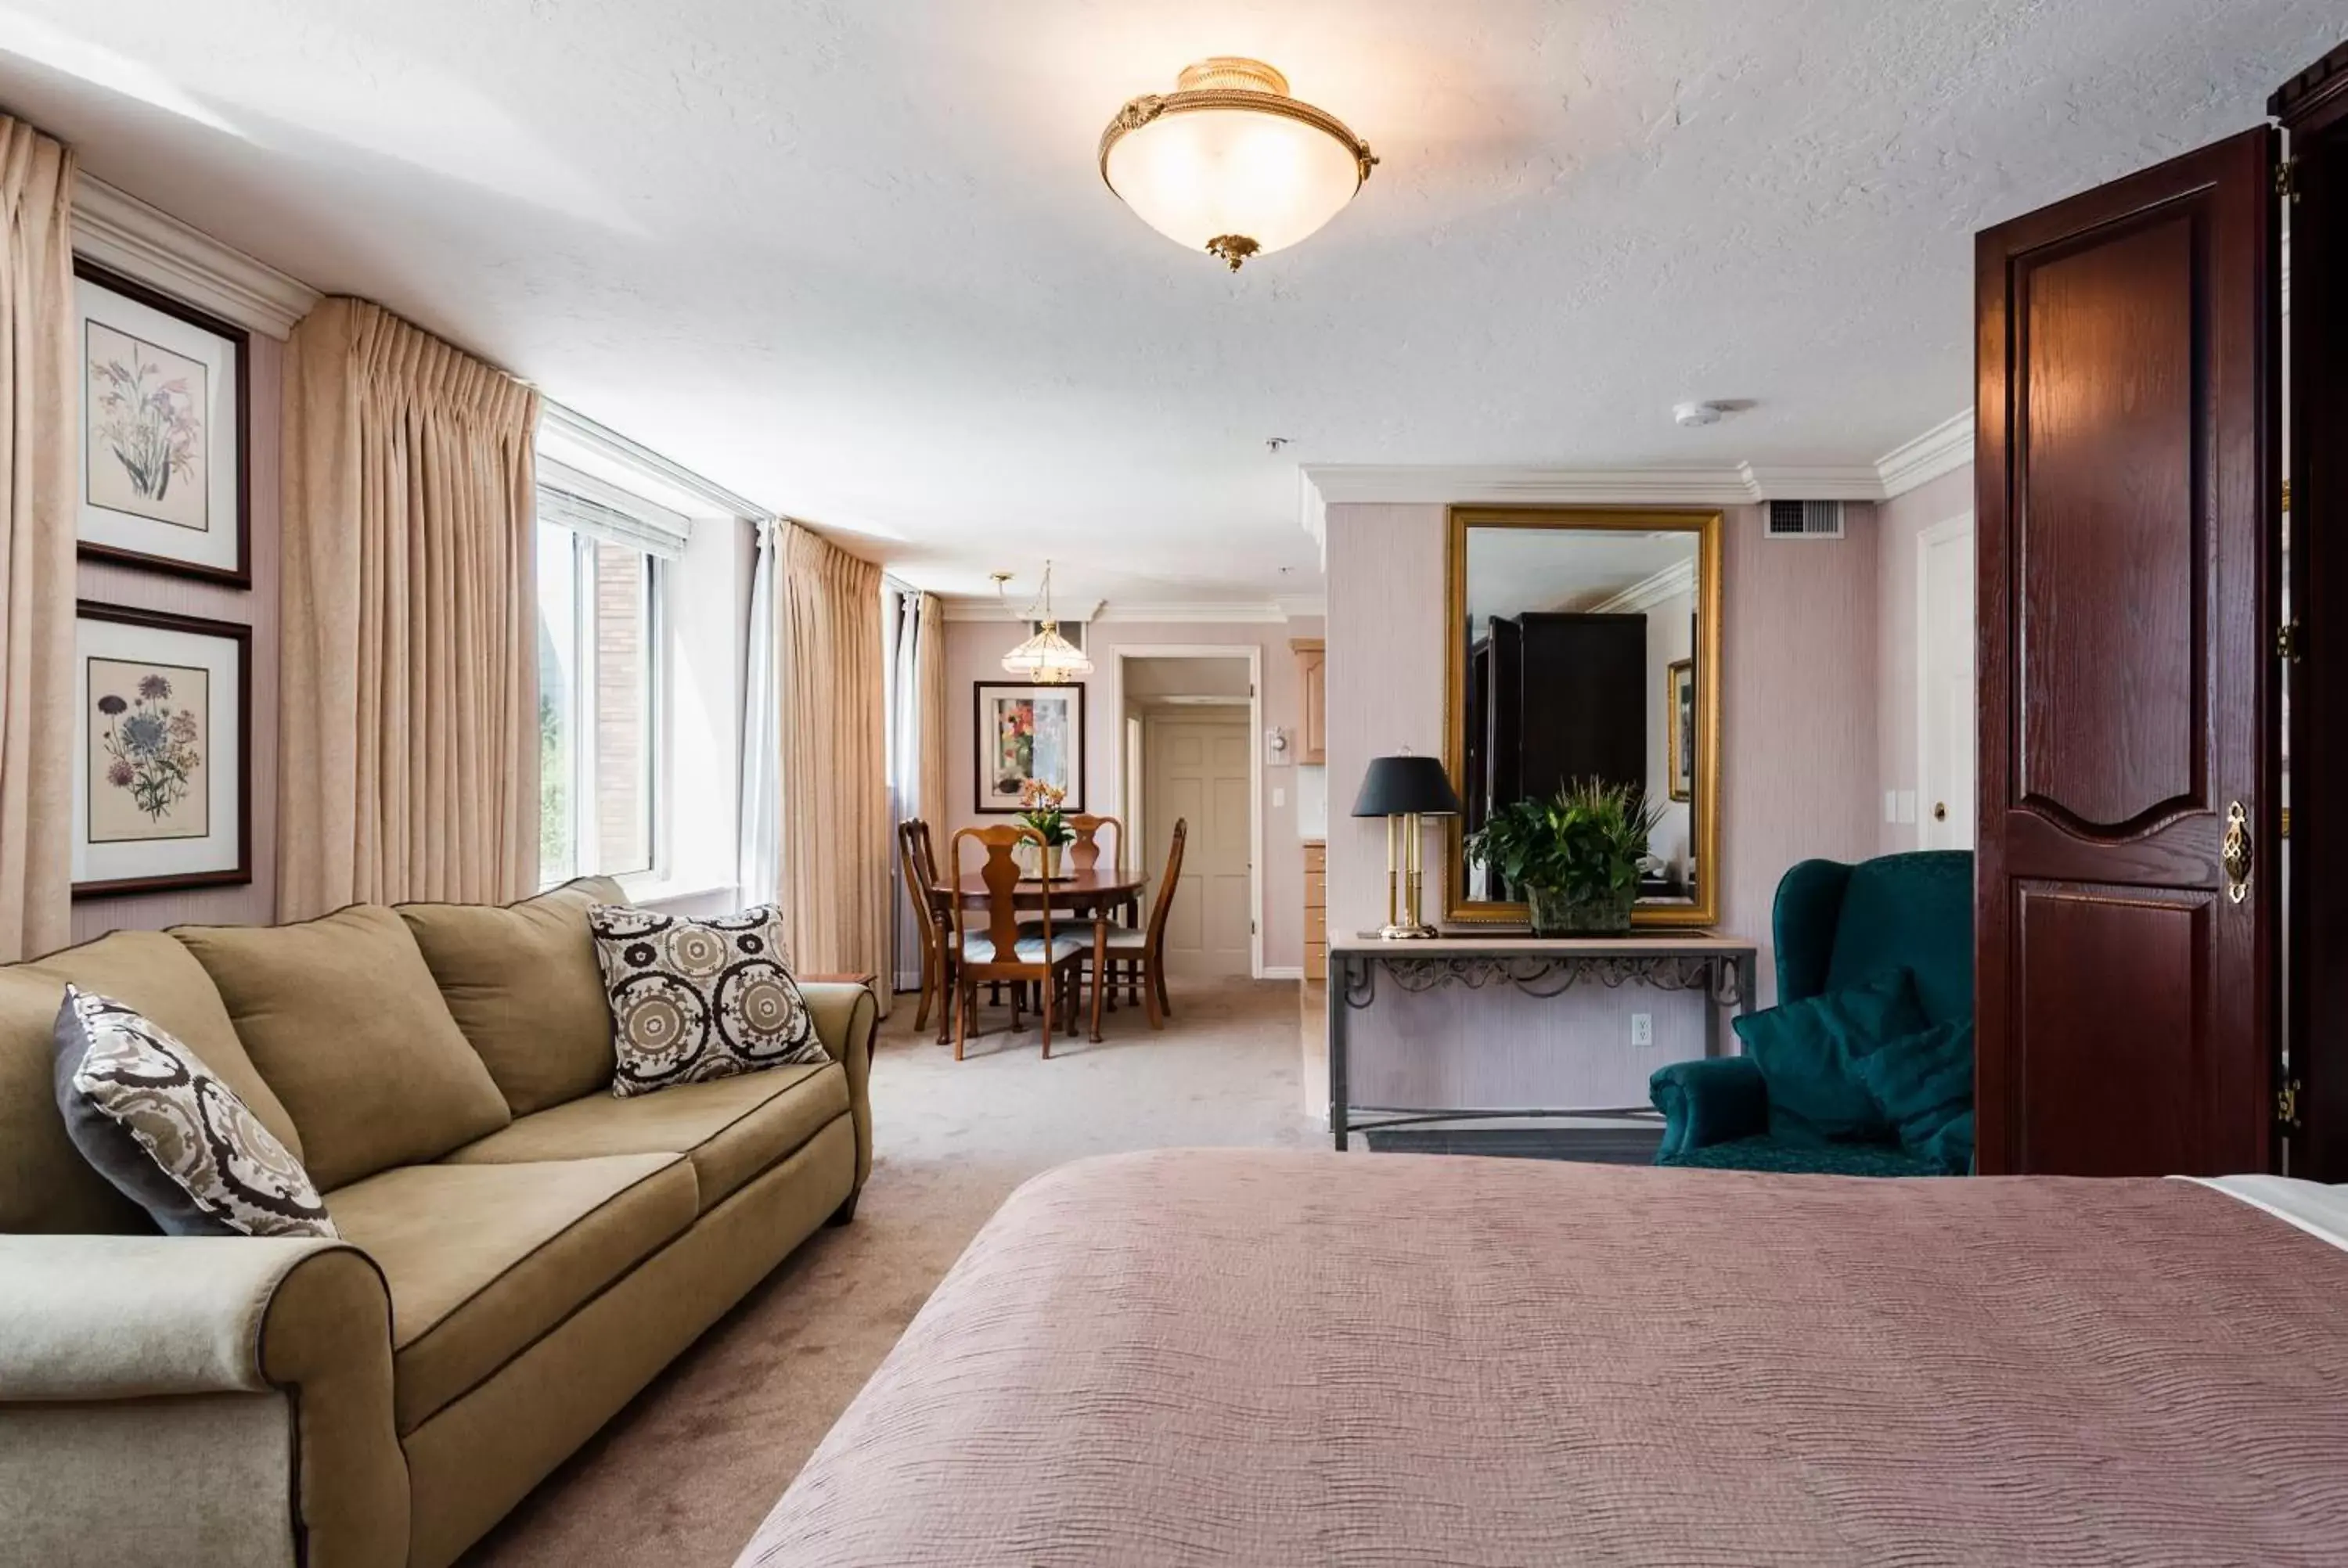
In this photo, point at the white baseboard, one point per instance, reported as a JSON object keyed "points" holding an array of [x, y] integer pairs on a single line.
{"points": [[1281, 972]]}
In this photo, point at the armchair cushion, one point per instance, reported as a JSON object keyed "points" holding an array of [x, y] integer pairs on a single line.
{"points": [[1924, 1086], [1807, 1053], [1766, 1153], [1710, 1101]]}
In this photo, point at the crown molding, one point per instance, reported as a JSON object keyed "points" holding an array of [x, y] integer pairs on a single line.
{"points": [[1244, 612], [1674, 580], [987, 607], [1943, 449], [1745, 485], [118, 231], [1299, 606], [564, 432]]}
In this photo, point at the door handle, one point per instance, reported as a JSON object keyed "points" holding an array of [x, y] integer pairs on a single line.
{"points": [[2234, 855]]}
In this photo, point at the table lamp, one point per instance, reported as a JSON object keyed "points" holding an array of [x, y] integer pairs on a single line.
{"points": [[1402, 789]]}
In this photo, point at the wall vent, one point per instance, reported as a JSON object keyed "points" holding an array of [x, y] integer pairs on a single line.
{"points": [[1806, 520]]}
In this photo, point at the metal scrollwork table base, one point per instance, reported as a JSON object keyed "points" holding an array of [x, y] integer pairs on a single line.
{"points": [[1721, 967]]}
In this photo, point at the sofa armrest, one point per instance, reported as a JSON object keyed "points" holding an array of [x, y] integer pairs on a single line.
{"points": [[1709, 1102], [845, 1018], [92, 1322]]}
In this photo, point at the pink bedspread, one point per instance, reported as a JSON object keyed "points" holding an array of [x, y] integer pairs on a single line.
{"points": [[1277, 1357]]}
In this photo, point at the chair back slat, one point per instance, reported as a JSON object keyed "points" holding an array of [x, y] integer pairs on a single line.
{"points": [[1164, 902], [1085, 853], [1001, 875]]}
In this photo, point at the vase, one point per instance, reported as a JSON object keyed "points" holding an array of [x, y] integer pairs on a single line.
{"points": [[1051, 859], [1555, 914]]}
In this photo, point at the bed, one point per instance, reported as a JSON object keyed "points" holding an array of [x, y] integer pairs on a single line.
{"points": [[1243, 1356]]}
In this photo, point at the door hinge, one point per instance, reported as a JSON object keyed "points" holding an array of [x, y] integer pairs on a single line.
{"points": [[2287, 642], [2287, 1105], [2287, 180]]}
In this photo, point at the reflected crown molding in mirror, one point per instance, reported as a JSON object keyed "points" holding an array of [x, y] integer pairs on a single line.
{"points": [[1567, 669]]}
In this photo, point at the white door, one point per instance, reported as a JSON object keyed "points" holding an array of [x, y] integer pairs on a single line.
{"points": [[1199, 774], [1944, 663]]}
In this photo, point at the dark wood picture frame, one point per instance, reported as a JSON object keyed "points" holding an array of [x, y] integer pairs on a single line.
{"points": [[981, 742], [240, 575], [241, 873]]}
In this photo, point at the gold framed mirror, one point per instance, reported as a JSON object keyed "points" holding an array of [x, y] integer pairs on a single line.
{"points": [[1584, 643]]}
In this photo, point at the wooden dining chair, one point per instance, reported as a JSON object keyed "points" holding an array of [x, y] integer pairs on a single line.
{"points": [[1052, 960], [1145, 949], [917, 854]]}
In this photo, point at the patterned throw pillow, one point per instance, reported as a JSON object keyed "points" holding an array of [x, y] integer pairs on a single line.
{"points": [[694, 1000], [147, 1112]]}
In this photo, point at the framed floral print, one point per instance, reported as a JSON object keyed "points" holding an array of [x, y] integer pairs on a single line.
{"points": [[1027, 732], [164, 434], [162, 759]]}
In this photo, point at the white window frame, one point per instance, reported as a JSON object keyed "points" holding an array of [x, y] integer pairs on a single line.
{"points": [[585, 849]]}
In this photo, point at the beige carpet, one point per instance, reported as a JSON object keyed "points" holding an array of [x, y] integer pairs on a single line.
{"points": [[684, 1475]]}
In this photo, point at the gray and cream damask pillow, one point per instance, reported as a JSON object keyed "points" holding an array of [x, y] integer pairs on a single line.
{"points": [[151, 1117], [694, 1000]]}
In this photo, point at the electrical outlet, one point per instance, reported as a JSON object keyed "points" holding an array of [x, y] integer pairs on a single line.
{"points": [[1642, 1028]]}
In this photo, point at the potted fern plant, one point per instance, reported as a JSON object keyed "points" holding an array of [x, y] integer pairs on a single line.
{"points": [[1574, 856]]}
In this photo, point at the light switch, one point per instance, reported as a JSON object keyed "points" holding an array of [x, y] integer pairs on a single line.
{"points": [[1279, 797], [1906, 806], [1891, 805]]}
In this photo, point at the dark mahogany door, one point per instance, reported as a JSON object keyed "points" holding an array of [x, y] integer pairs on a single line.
{"points": [[2313, 108], [2127, 482]]}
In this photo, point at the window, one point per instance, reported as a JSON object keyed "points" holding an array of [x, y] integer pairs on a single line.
{"points": [[598, 705]]}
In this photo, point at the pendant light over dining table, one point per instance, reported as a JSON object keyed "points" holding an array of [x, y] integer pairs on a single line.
{"points": [[1046, 659], [1229, 163]]}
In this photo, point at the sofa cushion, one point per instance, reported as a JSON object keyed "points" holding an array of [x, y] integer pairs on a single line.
{"points": [[154, 1119], [483, 1260], [341, 1018], [1808, 1053], [696, 1000], [523, 983], [46, 1185], [731, 1127]]}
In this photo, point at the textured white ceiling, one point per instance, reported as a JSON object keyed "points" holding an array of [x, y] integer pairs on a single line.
{"points": [[854, 260]]}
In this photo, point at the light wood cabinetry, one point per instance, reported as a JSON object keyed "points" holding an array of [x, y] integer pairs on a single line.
{"points": [[1316, 912], [1313, 710]]}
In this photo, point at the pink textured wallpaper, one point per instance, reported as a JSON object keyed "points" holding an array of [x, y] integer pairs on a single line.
{"points": [[974, 651], [1799, 748], [256, 904]]}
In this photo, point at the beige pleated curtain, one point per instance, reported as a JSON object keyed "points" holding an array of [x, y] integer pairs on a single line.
{"points": [[930, 703], [408, 693], [835, 837], [40, 396]]}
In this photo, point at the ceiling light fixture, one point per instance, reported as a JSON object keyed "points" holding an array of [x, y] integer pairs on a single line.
{"points": [[1229, 163], [1046, 659]]}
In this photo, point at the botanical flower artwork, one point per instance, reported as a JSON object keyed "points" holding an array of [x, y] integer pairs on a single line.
{"points": [[150, 733], [147, 444], [1029, 737]]}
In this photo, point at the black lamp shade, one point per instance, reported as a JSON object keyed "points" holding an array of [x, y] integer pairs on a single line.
{"points": [[1395, 787]]}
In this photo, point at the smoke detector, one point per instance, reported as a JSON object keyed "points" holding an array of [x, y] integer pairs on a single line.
{"points": [[1692, 414]]}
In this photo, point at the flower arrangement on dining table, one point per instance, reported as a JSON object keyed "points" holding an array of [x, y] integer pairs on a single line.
{"points": [[1039, 808]]}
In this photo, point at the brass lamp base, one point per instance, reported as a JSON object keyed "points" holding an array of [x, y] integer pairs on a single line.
{"points": [[1406, 933]]}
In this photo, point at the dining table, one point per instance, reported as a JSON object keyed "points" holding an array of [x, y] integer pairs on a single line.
{"points": [[1087, 894]]}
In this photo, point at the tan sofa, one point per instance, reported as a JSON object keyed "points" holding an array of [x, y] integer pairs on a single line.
{"points": [[522, 1251]]}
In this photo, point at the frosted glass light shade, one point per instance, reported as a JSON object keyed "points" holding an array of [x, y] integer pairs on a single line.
{"points": [[1047, 659], [1229, 163]]}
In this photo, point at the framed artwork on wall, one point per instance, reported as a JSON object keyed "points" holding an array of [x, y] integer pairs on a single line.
{"points": [[1026, 732], [162, 759], [1679, 725], [162, 448]]}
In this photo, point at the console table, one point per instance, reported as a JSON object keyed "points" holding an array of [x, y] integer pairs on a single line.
{"points": [[1718, 971]]}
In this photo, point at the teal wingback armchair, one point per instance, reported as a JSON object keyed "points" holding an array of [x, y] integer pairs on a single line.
{"points": [[1835, 925]]}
